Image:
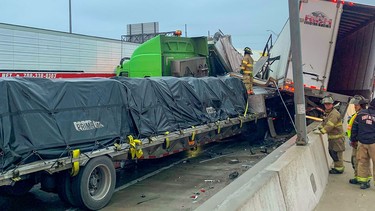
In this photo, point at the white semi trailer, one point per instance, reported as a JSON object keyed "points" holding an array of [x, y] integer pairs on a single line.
{"points": [[338, 53], [41, 53]]}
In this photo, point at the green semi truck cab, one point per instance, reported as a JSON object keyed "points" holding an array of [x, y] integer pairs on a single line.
{"points": [[167, 56]]}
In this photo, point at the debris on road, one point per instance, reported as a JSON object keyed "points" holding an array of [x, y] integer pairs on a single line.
{"points": [[233, 175], [234, 161]]}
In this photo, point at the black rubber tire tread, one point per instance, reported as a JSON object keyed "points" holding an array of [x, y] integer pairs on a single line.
{"points": [[80, 190], [64, 189]]}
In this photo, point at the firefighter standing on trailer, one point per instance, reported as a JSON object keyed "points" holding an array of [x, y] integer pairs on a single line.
{"points": [[359, 103], [332, 125], [363, 131], [247, 68]]}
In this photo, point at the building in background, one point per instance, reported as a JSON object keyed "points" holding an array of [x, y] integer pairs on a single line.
{"points": [[141, 32]]}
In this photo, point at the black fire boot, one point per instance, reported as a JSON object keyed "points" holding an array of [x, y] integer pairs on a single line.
{"points": [[354, 181], [365, 185], [335, 171]]}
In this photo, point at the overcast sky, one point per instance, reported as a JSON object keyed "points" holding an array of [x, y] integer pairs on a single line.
{"points": [[248, 21]]}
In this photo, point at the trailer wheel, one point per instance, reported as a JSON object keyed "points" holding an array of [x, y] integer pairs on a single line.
{"points": [[95, 183], [64, 189], [18, 189]]}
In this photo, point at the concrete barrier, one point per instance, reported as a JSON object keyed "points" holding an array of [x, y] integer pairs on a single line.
{"points": [[290, 178]]}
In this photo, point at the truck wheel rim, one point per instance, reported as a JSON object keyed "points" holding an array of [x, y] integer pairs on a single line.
{"points": [[99, 182]]}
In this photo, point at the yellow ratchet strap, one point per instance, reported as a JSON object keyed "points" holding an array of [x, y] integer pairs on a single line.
{"points": [[246, 108], [192, 140], [75, 165], [218, 127], [134, 150], [167, 141]]}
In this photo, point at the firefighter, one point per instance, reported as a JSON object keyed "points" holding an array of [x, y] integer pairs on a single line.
{"points": [[332, 125], [359, 103], [363, 131], [247, 69]]}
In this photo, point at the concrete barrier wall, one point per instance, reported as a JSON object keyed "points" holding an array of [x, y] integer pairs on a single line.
{"points": [[290, 178]]}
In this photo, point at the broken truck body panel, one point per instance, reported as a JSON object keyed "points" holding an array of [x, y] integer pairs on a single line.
{"points": [[223, 56], [337, 48], [155, 57]]}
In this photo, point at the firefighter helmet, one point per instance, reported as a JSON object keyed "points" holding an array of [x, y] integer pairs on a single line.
{"points": [[358, 100], [327, 99], [248, 50]]}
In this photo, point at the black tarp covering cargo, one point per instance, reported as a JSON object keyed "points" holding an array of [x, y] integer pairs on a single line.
{"points": [[46, 116], [165, 104], [43, 118]]}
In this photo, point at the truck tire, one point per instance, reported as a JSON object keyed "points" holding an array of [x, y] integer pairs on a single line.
{"points": [[18, 189], [94, 186], [64, 189]]}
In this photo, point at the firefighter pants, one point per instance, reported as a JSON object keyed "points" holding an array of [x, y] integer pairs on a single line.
{"points": [[365, 153], [248, 81], [354, 161], [336, 147], [338, 162]]}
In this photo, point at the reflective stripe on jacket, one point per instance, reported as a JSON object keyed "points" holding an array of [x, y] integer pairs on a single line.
{"points": [[332, 125], [247, 63]]}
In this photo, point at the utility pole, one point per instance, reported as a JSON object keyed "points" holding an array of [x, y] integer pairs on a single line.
{"points": [[299, 93], [185, 30], [70, 16]]}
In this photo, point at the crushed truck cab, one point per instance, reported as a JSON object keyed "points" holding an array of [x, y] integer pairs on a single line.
{"points": [[167, 56]]}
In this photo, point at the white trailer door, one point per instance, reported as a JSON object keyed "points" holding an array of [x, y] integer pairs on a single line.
{"points": [[319, 22]]}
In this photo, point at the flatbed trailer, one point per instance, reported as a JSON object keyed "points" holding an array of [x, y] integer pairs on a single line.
{"points": [[85, 176], [152, 147]]}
